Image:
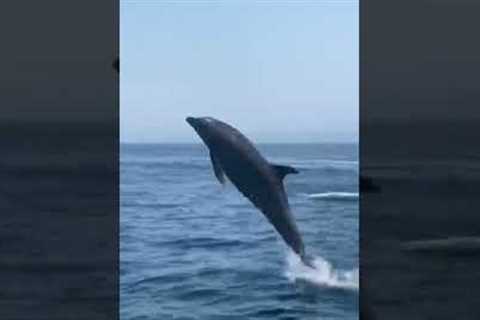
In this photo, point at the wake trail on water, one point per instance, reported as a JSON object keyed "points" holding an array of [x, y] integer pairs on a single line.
{"points": [[323, 274]]}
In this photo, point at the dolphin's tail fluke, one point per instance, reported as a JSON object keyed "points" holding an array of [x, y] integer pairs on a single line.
{"points": [[307, 260]]}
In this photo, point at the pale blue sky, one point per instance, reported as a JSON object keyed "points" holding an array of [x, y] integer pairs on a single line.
{"points": [[278, 71]]}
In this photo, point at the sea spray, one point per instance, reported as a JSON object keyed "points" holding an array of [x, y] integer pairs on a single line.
{"points": [[322, 275]]}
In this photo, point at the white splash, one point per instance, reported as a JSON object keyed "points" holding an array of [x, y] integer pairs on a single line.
{"points": [[322, 275]]}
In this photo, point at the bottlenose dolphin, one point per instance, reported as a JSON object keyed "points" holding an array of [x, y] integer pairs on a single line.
{"points": [[234, 156]]}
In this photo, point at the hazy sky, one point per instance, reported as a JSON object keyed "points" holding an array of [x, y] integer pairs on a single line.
{"points": [[278, 71]]}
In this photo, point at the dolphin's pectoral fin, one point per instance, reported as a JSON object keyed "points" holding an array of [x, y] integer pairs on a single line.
{"points": [[217, 168], [282, 171]]}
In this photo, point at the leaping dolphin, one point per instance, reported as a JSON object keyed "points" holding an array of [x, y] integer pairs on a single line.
{"points": [[234, 156]]}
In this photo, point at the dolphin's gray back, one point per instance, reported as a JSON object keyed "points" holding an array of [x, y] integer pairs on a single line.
{"points": [[257, 180]]}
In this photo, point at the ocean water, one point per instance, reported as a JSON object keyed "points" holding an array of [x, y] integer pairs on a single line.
{"points": [[191, 248]]}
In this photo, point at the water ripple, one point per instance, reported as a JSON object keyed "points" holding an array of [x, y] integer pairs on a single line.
{"points": [[191, 249]]}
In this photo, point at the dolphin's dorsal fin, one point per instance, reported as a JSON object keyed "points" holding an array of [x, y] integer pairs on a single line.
{"points": [[217, 168], [282, 171]]}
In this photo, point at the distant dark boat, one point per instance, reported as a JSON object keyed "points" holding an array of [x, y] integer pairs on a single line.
{"points": [[367, 185]]}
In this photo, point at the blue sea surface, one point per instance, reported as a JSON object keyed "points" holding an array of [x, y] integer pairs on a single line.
{"points": [[191, 248]]}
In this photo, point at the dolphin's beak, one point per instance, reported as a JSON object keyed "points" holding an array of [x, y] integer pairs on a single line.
{"points": [[191, 121]]}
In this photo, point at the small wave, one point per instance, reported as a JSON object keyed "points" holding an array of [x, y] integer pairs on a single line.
{"points": [[158, 279], [334, 195], [325, 165], [323, 274], [450, 245], [207, 243], [309, 164]]}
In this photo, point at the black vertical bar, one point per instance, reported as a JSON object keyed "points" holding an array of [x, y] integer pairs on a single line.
{"points": [[59, 160], [419, 204]]}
